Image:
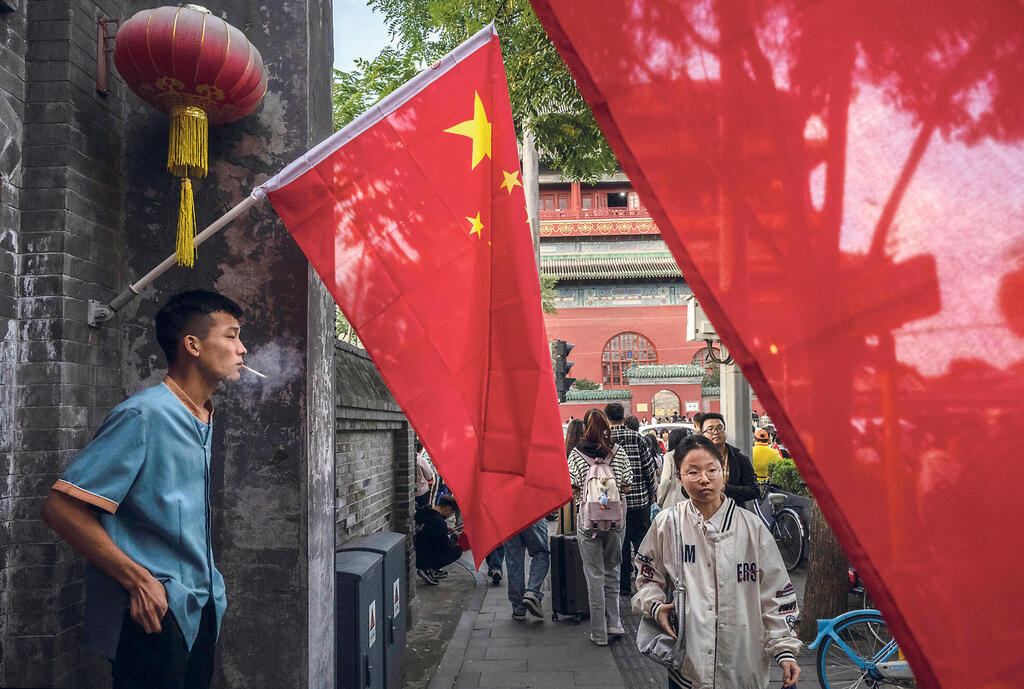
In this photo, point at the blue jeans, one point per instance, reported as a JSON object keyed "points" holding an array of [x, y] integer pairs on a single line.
{"points": [[532, 539], [495, 558]]}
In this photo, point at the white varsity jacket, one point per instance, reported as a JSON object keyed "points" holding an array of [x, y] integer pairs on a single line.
{"points": [[740, 603]]}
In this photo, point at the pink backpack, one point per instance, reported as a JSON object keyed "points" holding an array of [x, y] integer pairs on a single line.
{"points": [[601, 506]]}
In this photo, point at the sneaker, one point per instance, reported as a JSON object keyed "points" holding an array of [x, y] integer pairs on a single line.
{"points": [[597, 641], [616, 631], [426, 576], [439, 573], [495, 575], [518, 615], [532, 603]]}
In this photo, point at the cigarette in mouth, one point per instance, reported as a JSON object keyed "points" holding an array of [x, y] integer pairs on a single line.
{"points": [[254, 371]]}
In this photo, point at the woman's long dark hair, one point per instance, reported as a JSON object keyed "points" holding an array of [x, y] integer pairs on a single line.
{"points": [[597, 430], [675, 437], [573, 435]]}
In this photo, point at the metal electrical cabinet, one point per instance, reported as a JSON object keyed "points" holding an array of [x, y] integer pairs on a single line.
{"points": [[391, 547], [358, 606]]}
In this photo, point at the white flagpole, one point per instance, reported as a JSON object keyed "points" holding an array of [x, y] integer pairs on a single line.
{"points": [[99, 313]]}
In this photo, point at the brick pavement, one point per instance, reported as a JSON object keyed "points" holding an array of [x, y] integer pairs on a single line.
{"points": [[490, 649]]}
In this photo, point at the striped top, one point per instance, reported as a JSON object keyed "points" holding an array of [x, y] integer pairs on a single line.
{"points": [[579, 468]]}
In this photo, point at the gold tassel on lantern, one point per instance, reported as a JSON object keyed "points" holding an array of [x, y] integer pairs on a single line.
{"points": [[185, 248], [186, 157]]}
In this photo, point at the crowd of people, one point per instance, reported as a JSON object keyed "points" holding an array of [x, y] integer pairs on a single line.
{"points": [[631, 493]]}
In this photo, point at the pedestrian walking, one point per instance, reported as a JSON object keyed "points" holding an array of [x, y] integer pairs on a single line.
{"points": [[763, 454], [526, 597], [740, 606], [155, 599], [741, 483], [424, 477], [567, 515], [642, 493], [600, 544], [670, 493]]}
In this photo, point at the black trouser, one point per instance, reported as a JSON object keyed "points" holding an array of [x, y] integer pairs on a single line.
{"points": [[422, 500], [638, 521], [437, 559], [162, 660]]}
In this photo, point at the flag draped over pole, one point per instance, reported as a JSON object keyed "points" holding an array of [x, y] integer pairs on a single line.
{"points": [[840, 183], [415, 219]]}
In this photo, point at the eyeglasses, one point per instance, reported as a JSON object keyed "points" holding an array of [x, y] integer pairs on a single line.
{"points": [[714, 430], [692, 475]]}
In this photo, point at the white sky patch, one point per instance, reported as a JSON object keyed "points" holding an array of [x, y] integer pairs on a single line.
{"points": [[358, 33]]}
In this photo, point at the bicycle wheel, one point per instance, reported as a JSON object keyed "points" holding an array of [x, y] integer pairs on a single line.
{"points": [[869, 642], [789, 537]]}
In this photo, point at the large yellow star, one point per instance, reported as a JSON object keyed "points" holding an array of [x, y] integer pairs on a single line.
{"points": [[511, 181], [477, 225], [478, 129]]}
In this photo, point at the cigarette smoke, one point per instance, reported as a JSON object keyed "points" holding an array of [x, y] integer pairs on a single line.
{"points": [[279, 363]]}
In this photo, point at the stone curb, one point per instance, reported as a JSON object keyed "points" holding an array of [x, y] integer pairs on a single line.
{"points": [[455, 654]]}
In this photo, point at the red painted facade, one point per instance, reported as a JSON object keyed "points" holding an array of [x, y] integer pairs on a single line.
{"points": [[589, 329], [644, 395], [576, 410]]}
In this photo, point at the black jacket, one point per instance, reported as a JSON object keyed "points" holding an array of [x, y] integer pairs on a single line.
{"points": [[742, 484], [435, 547]]}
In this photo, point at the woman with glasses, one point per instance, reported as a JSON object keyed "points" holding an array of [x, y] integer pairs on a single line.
{"points": [[740, 606], [740, 479]]}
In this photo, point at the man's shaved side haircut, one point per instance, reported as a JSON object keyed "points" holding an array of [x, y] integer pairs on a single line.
{"points": [[188, 313]]}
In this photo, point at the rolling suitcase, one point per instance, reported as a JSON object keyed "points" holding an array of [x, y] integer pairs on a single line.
{"points": [[568, 583]]}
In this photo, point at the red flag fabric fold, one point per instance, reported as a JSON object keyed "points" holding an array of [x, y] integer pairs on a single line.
{"points": [[415, 219], [840, 184]]}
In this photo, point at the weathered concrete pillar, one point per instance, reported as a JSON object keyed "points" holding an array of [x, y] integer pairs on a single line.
{"points": [[273, 476]]}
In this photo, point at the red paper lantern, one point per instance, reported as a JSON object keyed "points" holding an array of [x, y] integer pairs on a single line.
{"points": [[198, 69]]}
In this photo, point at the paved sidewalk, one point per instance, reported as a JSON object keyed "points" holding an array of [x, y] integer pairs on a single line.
{"points": [[490, 649]]}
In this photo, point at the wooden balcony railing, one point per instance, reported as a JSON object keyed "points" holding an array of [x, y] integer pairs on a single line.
{"points": [[595, 213]]}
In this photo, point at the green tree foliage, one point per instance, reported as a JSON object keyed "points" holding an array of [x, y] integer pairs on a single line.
{"points": [[344, 330], [543, 94], [712, 375], [355, 91], [548, 293], [785, 475], [584, 384]]}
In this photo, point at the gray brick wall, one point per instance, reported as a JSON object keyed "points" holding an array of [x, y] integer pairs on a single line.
{"points": [[59, 247], [374, 466], [12, 116]]}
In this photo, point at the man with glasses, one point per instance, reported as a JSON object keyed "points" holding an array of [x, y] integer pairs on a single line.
{"points": [[742, 484], [642, 494]]}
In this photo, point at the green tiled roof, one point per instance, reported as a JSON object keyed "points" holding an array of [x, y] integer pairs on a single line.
{"points": [[665, 371], [610, 266], [585, 395], [711, 391]]}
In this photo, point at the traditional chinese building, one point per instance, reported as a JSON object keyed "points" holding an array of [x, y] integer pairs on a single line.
{"points": [[621, 299]]}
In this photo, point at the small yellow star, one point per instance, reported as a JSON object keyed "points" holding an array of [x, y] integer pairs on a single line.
{"points": [[511, 181], [477, 225], [478, 129]]}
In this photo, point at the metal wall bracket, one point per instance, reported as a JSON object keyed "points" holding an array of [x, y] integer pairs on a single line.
{"points": [[103, 40], [98, 313]]}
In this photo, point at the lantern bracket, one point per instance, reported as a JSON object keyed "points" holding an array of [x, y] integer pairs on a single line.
{"points": [[104, 45]]}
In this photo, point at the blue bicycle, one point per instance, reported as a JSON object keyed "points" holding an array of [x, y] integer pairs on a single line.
{"points": [[856, 650]]}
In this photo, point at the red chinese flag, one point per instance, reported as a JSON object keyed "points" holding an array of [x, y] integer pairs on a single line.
{"points": [[414, 217], [840, 183]]}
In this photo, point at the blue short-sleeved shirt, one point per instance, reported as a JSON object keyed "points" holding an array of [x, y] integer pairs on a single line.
{"points": [[148, 470]]}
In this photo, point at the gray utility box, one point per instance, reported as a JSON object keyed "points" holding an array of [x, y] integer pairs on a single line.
{"points": [[358, 606], [391, 547]]}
